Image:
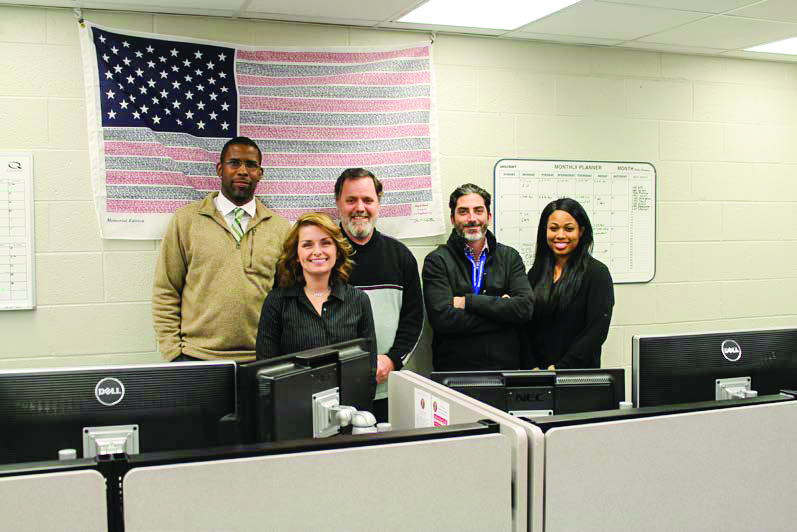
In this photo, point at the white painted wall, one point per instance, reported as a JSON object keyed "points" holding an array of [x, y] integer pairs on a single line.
{"points": [[720, 132]]}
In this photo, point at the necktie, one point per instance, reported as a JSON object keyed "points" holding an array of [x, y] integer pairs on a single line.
{"points": [[237, 228]]}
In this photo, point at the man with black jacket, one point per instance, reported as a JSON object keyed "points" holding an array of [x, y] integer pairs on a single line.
{"points": [[476, 291]]}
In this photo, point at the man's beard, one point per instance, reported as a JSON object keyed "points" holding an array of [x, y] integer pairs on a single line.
{"points": [[361, 228], [472, 237]]}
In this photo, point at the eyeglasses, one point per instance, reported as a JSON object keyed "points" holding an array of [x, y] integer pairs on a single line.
{"points": [[235, 164]]}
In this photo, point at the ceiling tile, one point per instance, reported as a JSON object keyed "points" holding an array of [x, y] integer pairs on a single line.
{"points": [[679, 26], [284, 17], [339, 9], [446, 29], [569, 39], [671, 48], [761, 56], [609, 21], [176, 7], [702, 6], [777, 10], [43, 3], [725, 32]]}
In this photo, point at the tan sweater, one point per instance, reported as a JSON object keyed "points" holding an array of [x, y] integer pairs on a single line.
{"points": [[208, 289]]}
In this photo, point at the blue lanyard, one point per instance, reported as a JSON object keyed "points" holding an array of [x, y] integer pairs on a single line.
{"points": [[477, 270]]}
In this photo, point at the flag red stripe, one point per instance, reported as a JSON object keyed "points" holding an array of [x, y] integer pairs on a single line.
{"points": [[345, 159], [149, 206], [389, 184], [334, 133], [329, 57], [152, 149], [364, 78], [266, 103]]}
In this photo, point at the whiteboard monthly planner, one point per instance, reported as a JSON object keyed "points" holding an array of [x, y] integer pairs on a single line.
{"points": [[619, 197]]}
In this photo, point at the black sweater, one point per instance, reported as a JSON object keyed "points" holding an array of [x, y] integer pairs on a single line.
{"points": [[572, 338], [386, 270]]}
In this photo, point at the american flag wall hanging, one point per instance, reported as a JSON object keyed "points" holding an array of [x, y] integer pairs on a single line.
{"points": [[160, 108]]}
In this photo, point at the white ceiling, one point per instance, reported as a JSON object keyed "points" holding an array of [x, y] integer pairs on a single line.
{"points": [[715, 27]]}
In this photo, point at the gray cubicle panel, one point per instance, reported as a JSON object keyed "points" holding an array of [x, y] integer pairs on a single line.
{"points": [[412, 485], [66, 501], [526, 439], [714, 470]]}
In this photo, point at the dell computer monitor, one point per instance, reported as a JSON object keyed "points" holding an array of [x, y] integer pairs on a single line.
{"points": [[533, 393], [105, 409], [275, 396], [685, 368]]}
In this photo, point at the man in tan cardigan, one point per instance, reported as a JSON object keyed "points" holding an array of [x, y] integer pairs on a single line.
{"points": [[216, 265]]}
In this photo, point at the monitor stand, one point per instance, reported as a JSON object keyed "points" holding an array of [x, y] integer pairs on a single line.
{"points": [[734, 388], [329, 415], [109, 440]]}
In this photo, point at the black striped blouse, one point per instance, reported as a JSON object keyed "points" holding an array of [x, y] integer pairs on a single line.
{"points": [[289, 323]]}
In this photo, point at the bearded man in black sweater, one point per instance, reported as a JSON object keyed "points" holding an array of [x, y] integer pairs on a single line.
{"points": [[386, 270]]}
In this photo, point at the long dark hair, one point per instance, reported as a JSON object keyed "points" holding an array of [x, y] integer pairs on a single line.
{"points": [[547, 296]]}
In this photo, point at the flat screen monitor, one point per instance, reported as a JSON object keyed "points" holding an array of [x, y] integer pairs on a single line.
{"points": [[533, 393], [276, 395], [686, 368], [131, 408]]}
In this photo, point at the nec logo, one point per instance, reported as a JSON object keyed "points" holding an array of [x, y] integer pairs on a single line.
{"points": [[109, 391], [731, 350], [529, 397]]}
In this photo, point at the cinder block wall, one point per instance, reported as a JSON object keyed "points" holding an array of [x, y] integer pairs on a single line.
{"points": [[720, 131]]}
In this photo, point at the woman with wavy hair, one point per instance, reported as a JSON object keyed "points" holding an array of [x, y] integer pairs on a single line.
{"points": [[312, 305], [573, 291]]}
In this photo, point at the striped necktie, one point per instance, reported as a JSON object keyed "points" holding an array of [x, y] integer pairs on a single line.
{"points": [[237, 228]]}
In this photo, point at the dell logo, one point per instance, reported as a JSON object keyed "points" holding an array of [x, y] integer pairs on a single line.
{"points": [[731, 350], [109, 391]]}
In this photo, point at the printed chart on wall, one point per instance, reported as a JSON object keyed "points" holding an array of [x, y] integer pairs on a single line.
{"points": [[17, 278], [619, 197]]}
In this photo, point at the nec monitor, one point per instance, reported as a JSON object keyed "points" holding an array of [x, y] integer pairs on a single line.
{"points": [[276, 395], [106, 409], [686, 368], [533, 393]]}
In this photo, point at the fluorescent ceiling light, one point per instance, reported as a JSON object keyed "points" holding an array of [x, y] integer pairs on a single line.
{"points": [[492, 14], [786, 46]]}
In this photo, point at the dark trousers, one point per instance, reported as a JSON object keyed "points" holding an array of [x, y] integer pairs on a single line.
{"points": [[380, 410]]}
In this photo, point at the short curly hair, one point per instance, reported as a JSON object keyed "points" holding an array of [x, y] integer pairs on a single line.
{"points": [[290, 271]]}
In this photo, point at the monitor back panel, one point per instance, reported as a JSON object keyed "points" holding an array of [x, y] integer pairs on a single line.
{"points": [[177, 406], [684, 368]]}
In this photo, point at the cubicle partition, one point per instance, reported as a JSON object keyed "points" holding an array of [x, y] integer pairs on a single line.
{"points": [[53, 496], [701, 466], [412, 403], [402, 480], [394, 481], [713, 466]]}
